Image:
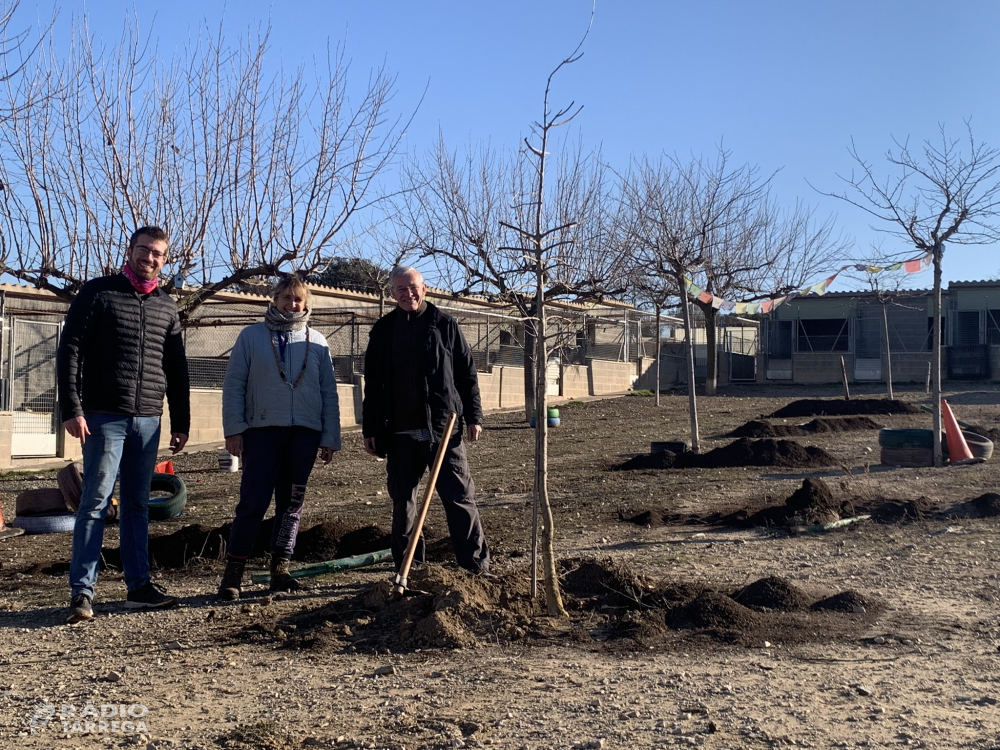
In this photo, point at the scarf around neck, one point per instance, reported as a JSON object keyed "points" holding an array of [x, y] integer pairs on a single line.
{"points": [[141, 286], [276, 320]]}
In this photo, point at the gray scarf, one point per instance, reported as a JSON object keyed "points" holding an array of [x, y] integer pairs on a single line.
{"points": [[276, 320]]}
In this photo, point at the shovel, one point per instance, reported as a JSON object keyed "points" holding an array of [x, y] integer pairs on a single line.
{"points": [[400, 581]]}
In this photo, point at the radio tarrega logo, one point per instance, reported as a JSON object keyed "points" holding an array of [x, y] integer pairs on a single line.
{"points": [[90, 718]]}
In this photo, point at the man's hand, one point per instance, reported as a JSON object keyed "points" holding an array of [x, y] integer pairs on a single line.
{"points": [[473, 432], [370, 446], [77, 427], [177, 441], [234, 444], [326, 454]]}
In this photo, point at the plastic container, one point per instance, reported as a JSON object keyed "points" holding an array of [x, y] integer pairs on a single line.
{"points": [[227, 461]]}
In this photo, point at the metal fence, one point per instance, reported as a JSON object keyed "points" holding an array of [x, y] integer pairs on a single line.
{"points": [[573, 336]]}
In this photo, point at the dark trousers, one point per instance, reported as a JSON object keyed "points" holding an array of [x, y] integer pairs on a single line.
{"points": [[407, 461], [276, 461]]}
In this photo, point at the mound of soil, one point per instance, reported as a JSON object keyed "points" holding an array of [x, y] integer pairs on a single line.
{"points": [[842, 424], [605, 583], [608, 601], [658, 460], [742, 452], [334, 539], [846, 601], [717, 614], [822, 407], [814, 501], [773, 594], [900, 511], [767, 452], [758, 429], [988, 505]]}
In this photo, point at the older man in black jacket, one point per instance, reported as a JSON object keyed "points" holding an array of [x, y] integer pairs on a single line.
{"points": [[419, 369], [121, 351]]}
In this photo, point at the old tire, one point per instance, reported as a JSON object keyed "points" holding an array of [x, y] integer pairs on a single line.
{"points": [[905, 437], [162, 508], [52, 523], [980, 447], [909, 457], [43, 501], [70, 480]]}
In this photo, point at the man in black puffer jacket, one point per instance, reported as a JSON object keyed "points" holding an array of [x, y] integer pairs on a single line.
{"points": [[121, 350], [419, 369]]}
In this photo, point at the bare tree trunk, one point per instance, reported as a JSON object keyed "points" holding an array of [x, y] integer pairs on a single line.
{"points": [[711, 350], [530, 345], [659, 347], [692, 395], [888, 354], [936, 354]]}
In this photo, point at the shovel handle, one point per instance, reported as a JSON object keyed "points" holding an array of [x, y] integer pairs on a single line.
{"points": [[411, 548]]}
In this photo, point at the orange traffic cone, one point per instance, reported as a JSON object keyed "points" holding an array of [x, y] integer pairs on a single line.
{"points": [[958, 449]]}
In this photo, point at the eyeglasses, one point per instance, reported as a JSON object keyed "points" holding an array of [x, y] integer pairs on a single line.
{"points": [[154, 254]]}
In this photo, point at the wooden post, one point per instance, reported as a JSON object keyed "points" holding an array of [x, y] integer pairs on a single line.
{"points": [[927, 388], [843, 374]]}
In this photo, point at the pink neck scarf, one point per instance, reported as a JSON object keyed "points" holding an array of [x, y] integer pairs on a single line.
{"points": [[141, 286]]}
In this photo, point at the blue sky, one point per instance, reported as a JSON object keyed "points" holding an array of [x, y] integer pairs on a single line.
{"points": [[784, 84]]}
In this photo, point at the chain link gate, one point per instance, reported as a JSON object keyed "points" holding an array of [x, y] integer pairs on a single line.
{"points": [[32, 396]]}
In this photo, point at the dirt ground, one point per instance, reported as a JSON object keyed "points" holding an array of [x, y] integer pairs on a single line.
{"points": [[708, 606]]}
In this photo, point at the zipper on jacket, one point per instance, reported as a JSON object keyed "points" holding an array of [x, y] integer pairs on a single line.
{"points": [[142, 352]]}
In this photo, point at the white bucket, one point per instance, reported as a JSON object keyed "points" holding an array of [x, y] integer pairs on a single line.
{"points": [[227, 461]]}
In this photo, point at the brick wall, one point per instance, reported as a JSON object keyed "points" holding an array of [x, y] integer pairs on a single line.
{"points": [[511, 386]]}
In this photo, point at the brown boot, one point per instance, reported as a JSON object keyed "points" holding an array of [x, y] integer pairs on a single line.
{"points": [[232, 581], [281, 579]]}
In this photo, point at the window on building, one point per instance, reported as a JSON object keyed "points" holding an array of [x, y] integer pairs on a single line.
{"points": [[824, 335]]}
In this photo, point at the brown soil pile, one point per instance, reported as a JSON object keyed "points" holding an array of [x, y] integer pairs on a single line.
{"points": [[814, 502], [758, 429], [822, 407], [741, 452], [987, 505], [847, 601], [606, 599], [773, 594]]}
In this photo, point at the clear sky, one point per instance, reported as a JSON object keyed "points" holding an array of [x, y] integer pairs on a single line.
{"points": [[784, 84]]}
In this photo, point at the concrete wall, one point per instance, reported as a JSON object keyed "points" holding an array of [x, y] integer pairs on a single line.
{"points": [[511, 386], [610, 377], [489, 389], [575, 381], [820, 367]]}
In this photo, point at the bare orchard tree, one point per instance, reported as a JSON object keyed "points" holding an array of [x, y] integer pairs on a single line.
{"points": [[460, 213], [946, 190], [251, 173]]}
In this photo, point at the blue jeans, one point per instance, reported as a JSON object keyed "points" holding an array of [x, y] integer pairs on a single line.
{"points": [[128, 443]]}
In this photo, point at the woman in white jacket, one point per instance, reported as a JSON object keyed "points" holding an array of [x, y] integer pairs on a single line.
{"points": [[279, 406]]}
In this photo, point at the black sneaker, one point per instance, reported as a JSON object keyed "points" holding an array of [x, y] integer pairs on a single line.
{"points": [[149, 596], [80, 609]]}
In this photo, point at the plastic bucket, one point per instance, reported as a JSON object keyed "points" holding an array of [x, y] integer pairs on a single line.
{"points": [[227, 461]]}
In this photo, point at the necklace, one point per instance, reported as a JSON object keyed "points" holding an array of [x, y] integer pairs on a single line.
{"points": [[281, 371]]}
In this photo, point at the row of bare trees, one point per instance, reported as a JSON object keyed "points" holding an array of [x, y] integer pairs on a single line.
{"points": [[252, 168]]}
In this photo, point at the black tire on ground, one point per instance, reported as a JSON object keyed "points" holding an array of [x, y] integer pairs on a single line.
{"points": [[70, 479], [50, 524], [905, 437], [980, 447], [162, 508]]}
